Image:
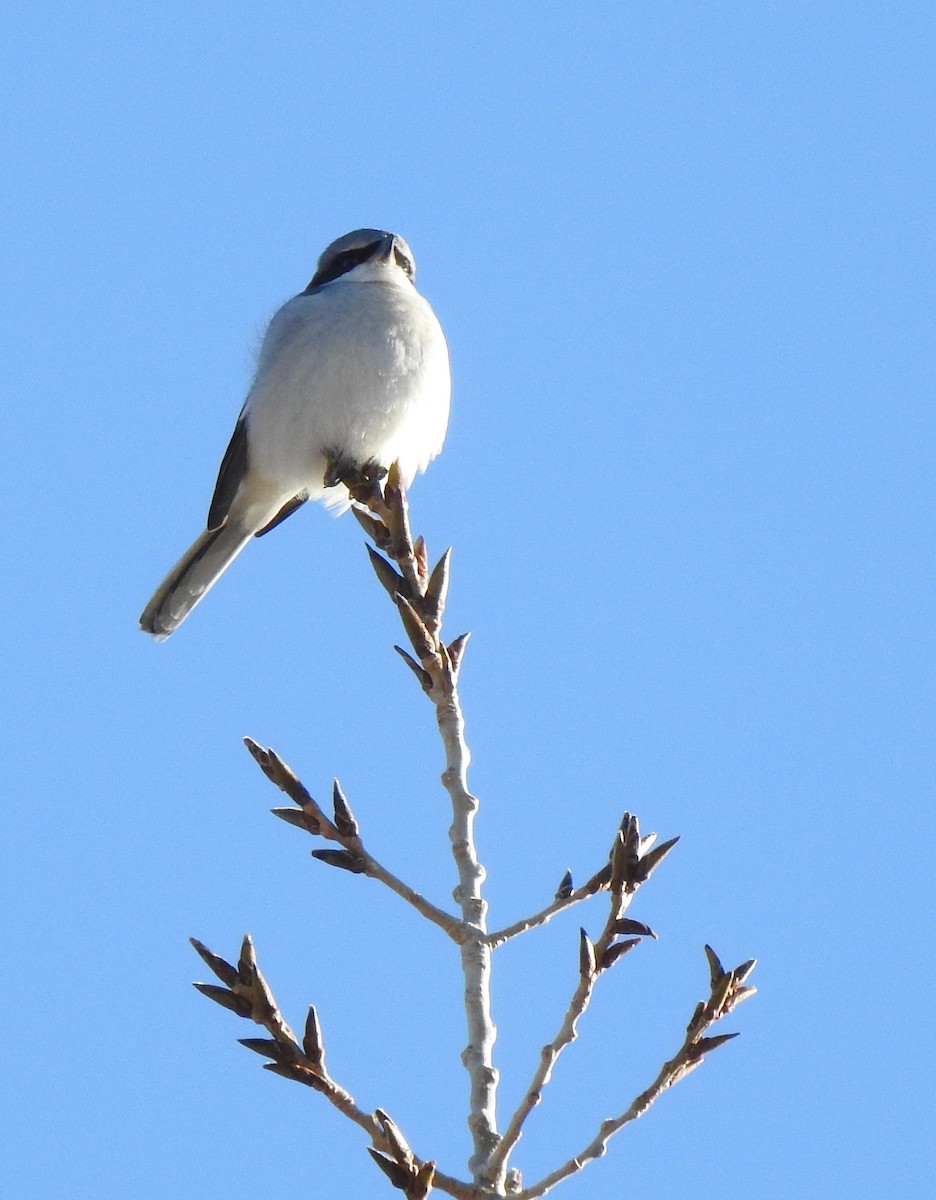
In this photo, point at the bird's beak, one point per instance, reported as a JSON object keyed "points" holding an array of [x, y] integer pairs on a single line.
{"points": [[385, 253]]}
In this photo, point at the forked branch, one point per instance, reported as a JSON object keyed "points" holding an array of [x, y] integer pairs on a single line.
{"points": [[354, 857], [630, 864], [727, 992], [419, 594], [247, 994]]}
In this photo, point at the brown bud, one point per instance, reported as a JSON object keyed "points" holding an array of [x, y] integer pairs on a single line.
{"points": [[622, 859], [617, 950], [270, 1048], [425, 679], [247, 963], [221, 967], [228, 1000], [344, 859], [398, 1176], [395, 1139], [716, 970], [698, 1018], [720, 999], [704, 1045], [344, 817], [420, 638], [299, 818], [649, 863], [456, 651], [279, 773], [599, 880], [587, 962], [394, 583], [264, 1003], [437, 587], [626, 925], [421, 555], [741, 973], [312, 1038], [375, 529], [298, 1073]]}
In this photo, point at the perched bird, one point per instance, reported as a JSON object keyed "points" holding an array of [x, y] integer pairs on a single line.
{"points": [[353, 375]]}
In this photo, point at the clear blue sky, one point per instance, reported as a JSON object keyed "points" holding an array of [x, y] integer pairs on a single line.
{"points": [[683, 254]]}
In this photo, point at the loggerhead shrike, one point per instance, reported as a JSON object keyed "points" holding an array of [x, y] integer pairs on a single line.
{"points": [[353, 375]]}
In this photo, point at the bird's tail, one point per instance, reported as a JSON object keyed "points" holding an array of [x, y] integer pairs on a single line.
{"points": [[192, 577]]}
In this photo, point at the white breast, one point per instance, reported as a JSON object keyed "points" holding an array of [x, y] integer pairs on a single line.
{"points": [[358, 369]]}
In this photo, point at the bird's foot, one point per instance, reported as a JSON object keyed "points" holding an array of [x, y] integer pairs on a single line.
{"points": [[361, 479]]}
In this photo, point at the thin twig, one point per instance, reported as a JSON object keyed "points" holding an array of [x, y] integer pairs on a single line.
{"points": [[727, 992], [314, 820], [455, 929], [622, 882], [248, 995], [498, 936]]}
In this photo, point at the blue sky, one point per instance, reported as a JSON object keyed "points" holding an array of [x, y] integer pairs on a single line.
{"points": [[683, 255]]}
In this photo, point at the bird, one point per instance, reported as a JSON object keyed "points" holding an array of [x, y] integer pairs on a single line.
{"points": [[352, 375]]}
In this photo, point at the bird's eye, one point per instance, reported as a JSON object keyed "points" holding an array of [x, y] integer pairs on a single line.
{"points": [[403, 262], [346, 261]]}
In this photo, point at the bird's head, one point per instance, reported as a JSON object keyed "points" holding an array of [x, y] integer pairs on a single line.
{"points": [[371, 254]]}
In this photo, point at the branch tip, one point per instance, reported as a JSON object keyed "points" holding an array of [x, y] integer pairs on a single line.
{"points": [[716, 970], [395, 1139], [627, 925], [345, 823], [588, 964], [743, 972], [312, 1038], [224, 970], [565, 889], [247, 963], [456, 651], [649, 863], [437, 587]]}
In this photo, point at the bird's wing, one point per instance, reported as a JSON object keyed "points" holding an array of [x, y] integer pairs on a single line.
{"points": [[230, 475], [286, 511]]}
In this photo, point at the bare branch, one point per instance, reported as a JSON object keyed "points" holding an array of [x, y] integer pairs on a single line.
{"points": [[437, 670], [250, 997], [311, 817], [594, 958], [722, 999], [419, 595], [560, 904]]}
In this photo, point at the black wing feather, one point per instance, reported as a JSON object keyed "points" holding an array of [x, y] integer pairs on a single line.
{"points": [[286, 511], [230, 475]]}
